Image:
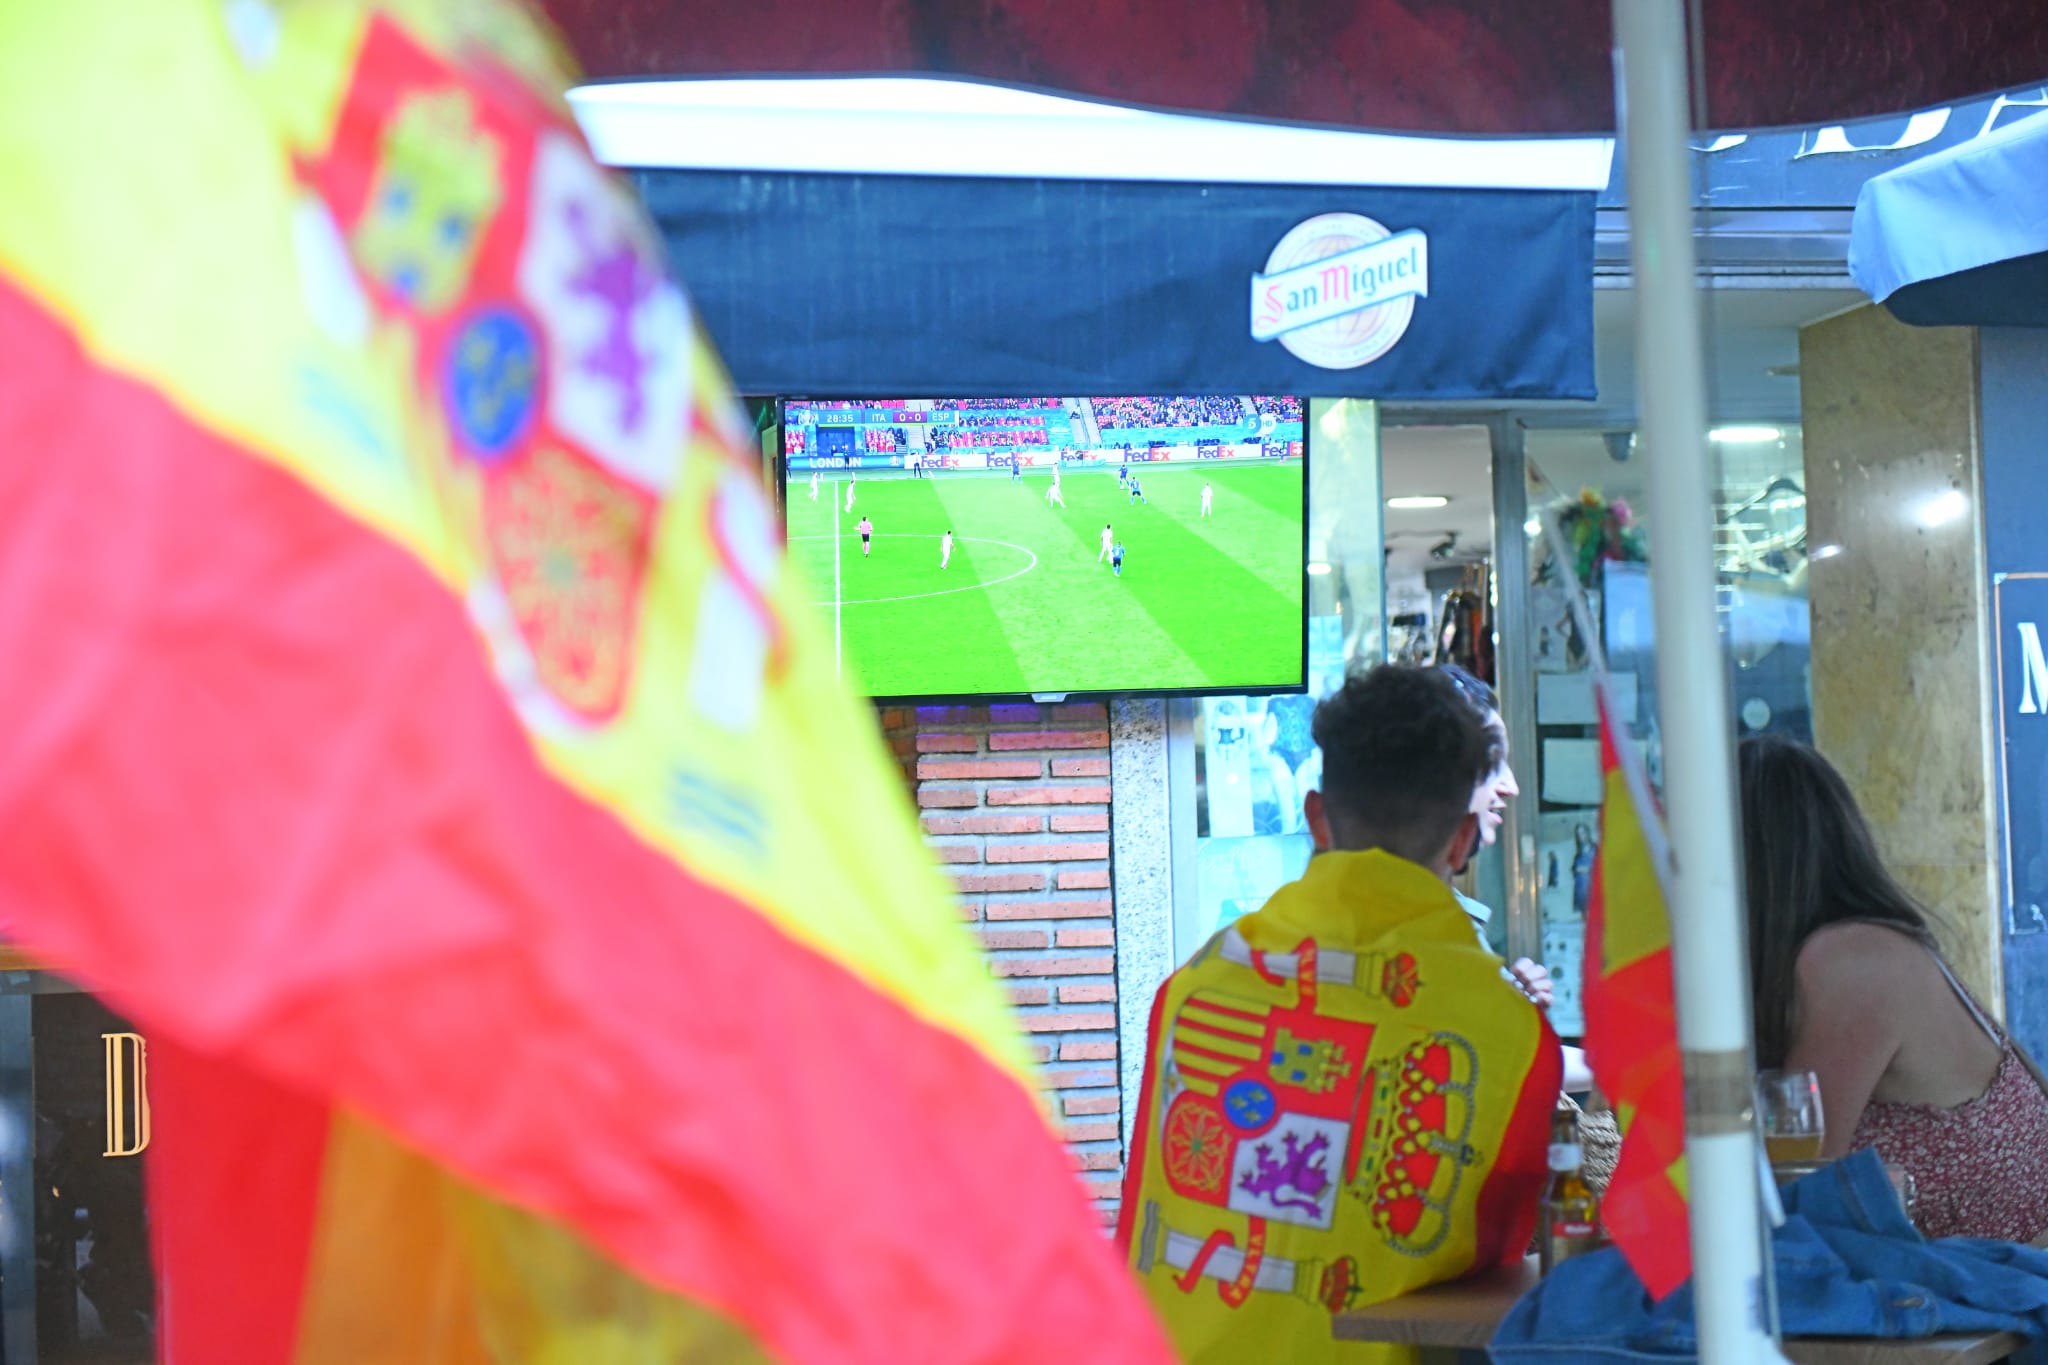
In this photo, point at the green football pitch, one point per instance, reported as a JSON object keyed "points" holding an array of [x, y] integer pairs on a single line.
{"points": [[1027, 606]]}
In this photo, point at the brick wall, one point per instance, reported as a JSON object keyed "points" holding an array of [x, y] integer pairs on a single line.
{"points": [[1015, 799], [899, 728]]}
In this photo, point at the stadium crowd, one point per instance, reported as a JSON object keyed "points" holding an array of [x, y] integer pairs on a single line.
{"points": [[999, 420], [993, 404], [953, 438], [1199, 411]]}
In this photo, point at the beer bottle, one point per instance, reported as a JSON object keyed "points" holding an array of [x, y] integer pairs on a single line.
{"points": [[1570, 1221]]}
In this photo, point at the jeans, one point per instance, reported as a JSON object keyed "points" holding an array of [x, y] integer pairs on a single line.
{"points": [[1848, 1261]]}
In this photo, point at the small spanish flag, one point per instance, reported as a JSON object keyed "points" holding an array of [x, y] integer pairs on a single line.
{"points": [[1632, 1020], [409, 719]]}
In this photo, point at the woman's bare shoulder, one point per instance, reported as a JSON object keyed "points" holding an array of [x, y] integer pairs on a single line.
{"points": [[1856, 955]]}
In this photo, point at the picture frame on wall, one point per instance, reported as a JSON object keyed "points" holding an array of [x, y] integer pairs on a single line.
{"points": [[1556, 643], [1568, 844], [1564, 955]]}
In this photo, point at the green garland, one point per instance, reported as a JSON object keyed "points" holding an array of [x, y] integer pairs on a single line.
{"points": [[1596, 531]]}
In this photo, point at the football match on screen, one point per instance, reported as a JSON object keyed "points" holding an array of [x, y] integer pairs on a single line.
{"points": [[964, 547]]}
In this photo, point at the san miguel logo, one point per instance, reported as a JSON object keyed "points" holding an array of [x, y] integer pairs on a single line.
{"points": [[1339, 290]]}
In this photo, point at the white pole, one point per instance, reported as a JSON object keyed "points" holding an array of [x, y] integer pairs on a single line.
{"points": [[1709, 956]]}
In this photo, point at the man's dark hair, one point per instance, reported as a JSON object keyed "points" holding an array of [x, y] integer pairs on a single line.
{"points": [[1403, 751], [1482, 697]]}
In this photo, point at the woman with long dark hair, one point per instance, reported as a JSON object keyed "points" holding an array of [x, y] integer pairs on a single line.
{"points": [[1848, 983]]}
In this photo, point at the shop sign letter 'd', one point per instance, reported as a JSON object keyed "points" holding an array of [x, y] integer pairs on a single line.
{"points": [[1339, 289]]}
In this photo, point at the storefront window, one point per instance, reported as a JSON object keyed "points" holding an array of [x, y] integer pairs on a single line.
{"points": [[1253, 756], [74, 1123], [1597, 479]]}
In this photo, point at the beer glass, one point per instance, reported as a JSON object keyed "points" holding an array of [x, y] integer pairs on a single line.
{"points": [[1788, 1103]]}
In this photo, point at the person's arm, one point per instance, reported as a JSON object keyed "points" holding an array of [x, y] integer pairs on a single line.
{"points": [[1846, 1028], [1534, 979]]}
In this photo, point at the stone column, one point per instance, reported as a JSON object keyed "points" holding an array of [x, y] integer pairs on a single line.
{"points": [[1902, 677], [1142, 854]]}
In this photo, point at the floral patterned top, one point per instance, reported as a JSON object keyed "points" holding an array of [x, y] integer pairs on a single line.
{"points": [[1981, 1168]]}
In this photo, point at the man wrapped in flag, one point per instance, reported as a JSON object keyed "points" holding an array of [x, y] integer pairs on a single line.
{"points": [[1343, 1099], [410, 722]]}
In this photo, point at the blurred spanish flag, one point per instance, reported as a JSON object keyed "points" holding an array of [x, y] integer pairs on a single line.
{"points": [[1632, 1019], [408, 719]]}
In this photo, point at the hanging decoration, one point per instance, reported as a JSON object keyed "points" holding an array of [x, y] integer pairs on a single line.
{"points": [[1597, 531]]}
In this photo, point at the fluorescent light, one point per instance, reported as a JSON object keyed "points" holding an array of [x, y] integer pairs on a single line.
{"points": [[1318, 567], [1824, 552], [1745, 436], [1942, 508], [920, 126], [1533, 526], [1422, 502]]}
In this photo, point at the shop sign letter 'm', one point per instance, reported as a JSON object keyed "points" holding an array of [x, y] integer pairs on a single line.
{"points": [[2033, 671]]}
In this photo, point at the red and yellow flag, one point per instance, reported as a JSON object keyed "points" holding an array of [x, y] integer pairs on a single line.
{"points": [[409, 719], [1632, 1021], [1343, 1101]]}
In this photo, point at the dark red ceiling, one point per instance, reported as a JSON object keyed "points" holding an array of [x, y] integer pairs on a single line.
{"points": [[1493, 66]]}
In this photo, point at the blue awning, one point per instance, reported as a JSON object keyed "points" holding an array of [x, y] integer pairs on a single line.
{"points": [[883, 238], [1960, 238]]}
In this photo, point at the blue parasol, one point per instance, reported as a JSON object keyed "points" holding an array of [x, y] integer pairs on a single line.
{"points": [[1960, 238]]}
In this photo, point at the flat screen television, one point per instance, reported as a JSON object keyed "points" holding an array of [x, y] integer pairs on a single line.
{"points": [[1054, 546]]}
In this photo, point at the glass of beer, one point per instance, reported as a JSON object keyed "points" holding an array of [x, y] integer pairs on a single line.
{"points": [[1788, 1103]]}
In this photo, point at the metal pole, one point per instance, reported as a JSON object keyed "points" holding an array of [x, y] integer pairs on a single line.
{"points": [[1709, 956], [18, 1297], [1515, 677]]}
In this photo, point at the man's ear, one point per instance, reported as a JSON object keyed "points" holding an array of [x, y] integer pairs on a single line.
{"points": [[1318, 820], [1464, 843]]}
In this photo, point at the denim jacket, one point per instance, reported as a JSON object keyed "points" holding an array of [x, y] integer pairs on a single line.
{"points": [[1848, 1262]]}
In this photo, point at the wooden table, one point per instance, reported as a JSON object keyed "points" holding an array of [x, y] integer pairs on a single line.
{"points": [[1463, 1315]]}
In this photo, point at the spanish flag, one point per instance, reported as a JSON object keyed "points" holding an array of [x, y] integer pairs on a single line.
{"points": [[1632, 1020], [408, 718], [1343, 1101]]}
